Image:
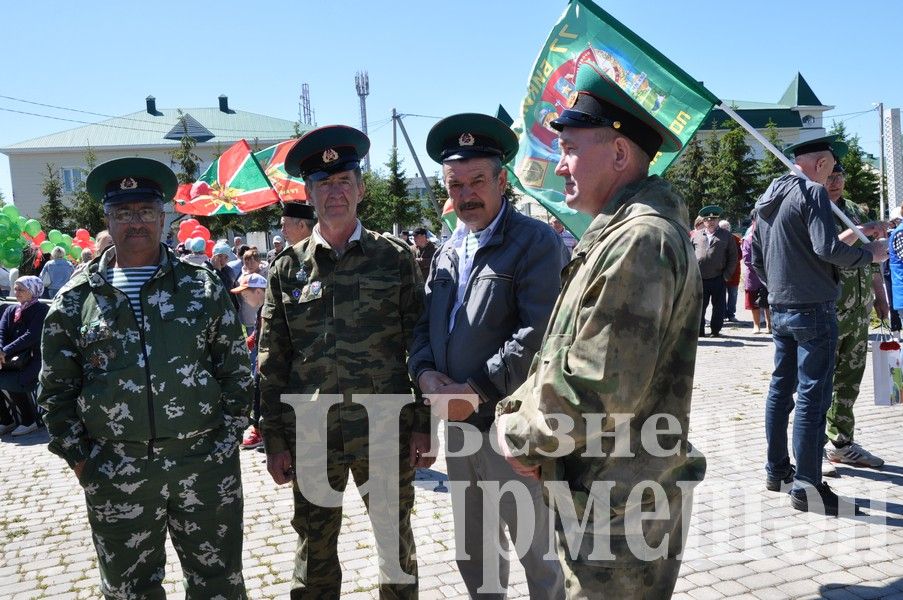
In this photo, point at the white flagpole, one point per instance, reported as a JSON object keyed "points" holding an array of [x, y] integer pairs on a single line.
{"points": [[795, 169]]}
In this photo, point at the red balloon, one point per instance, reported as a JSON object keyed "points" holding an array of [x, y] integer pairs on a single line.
{"points": [[183, 235], [40, 238], [82, 234], [201, 232], [209, 249], [192, 223]]}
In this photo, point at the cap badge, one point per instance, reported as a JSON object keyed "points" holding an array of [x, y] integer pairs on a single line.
{"points": [[128, 184], [330, 155], [466, 139]]}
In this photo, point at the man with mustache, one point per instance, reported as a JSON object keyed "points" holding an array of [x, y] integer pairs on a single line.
{"points": [[339, 311], [489, 294], [147, 390]]}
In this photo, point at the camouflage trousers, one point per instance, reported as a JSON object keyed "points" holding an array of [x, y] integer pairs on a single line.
{"points": [[852, 347], [318, 574], [134, 500], [625, 577]]}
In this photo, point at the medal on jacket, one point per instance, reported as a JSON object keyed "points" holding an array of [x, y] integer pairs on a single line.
{"points": [[296, 294], [315, 287], [301, 275]]}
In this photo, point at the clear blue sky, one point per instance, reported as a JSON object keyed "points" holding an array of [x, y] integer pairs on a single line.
{"points": [[423, 57]]}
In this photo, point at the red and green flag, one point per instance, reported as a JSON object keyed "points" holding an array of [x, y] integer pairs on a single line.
{"points": [[586, 33], [272, 159], [234, 184]]}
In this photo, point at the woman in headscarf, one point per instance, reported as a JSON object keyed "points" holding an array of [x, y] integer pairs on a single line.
{"points": [[20, 356]]}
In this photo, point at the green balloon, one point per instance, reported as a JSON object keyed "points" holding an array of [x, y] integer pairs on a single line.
{"points": [[67, 240], [12, 254], [5, 228], [55, 236], [47, 246], [10, 211], [32, 227]]}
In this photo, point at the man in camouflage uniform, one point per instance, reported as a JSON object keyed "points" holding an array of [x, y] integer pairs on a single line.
{"points": [[338, 315], [859, 289], [147, 390], [618, 355]]}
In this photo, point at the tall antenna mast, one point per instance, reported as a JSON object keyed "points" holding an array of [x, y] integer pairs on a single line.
{"points": [[362, 84], [305, 105]]}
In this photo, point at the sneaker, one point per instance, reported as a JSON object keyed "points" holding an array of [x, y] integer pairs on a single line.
{"points": [[25, 429], [252, 439], [828, 503], [4, 428], [779, 484], [855, 455]]}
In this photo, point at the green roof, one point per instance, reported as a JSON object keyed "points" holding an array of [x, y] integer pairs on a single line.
{"points": [[800, 94], [144, 129], [782, 117]]}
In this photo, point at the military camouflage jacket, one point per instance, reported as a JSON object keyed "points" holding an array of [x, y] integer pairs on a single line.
{"points": [[622, 339], [855, 284], [338, 325], [183, 374]]}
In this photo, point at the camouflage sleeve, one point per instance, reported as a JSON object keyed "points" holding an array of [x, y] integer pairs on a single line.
{"points": [[274, 362], [605, 365], [411, 307], [61, 382], [537, 280], [229, 356]]}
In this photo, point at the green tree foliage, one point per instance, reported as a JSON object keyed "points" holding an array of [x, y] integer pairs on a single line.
{"points": [[53, 213], [2, 200], [86, 211], [732, 178], [441, 195], [405, 210], [862, 182], [375, 210], [688, 177], [770, 166]]}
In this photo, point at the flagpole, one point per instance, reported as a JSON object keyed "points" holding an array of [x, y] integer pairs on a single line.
{"points": [[794, 168]]}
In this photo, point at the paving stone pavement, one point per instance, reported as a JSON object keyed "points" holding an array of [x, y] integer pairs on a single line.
{"points": [[744, 543]]}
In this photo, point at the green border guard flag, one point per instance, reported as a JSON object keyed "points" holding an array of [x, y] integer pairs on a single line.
{"points": [[586, 33]]}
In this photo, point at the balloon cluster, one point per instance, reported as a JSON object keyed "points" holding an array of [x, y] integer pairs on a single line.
{"points": [[192, 228], [17, 232], [11, 241]]}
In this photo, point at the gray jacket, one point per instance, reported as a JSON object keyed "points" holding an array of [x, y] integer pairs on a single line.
{"points": [[795, 249], [718, 259], [514, 282]]}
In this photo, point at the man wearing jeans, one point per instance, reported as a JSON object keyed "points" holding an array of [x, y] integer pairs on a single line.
{"points": [[796, 253]]}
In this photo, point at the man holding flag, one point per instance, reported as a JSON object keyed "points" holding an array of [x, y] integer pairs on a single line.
{"points": [[621, 345]]}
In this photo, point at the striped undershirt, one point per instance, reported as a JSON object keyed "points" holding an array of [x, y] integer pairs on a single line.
{"points": [[129, 281]]}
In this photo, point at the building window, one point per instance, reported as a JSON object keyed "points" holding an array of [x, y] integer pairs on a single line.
{"points": [[71, 177]]}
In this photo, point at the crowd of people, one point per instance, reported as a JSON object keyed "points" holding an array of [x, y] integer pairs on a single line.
{"points": [[340, 350]]}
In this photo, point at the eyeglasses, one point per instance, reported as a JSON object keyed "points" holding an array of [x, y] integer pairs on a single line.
{"points": [[141, 215]]}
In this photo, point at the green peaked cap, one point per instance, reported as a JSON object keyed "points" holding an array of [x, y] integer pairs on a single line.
{"points": [[131, 179]]}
